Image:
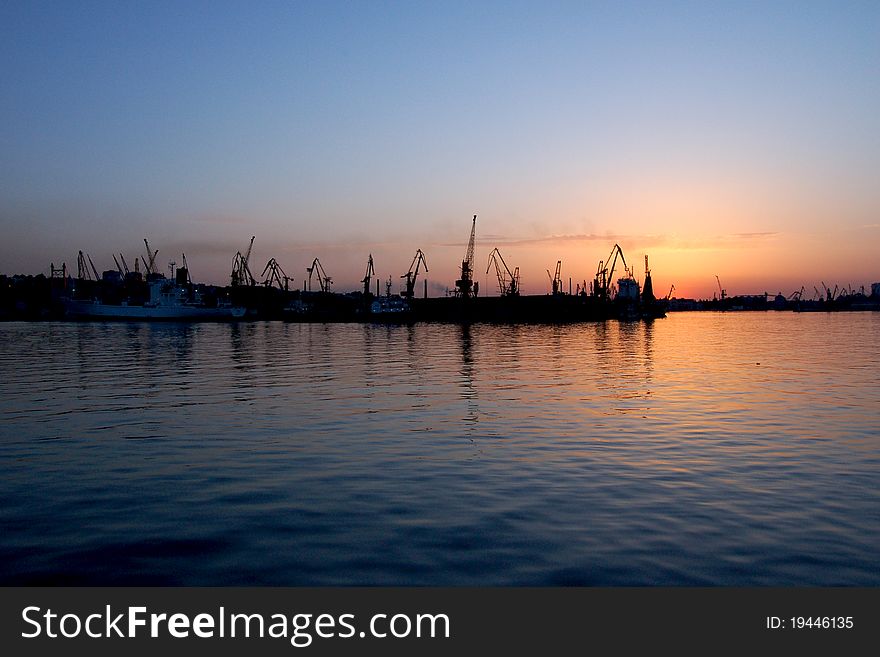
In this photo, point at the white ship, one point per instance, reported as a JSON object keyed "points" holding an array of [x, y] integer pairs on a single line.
{"points": [[168, 301]]}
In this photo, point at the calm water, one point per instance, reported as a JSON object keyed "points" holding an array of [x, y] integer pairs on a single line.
{"points": [[718, 449]]}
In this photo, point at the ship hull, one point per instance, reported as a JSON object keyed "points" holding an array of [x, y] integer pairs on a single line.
{"points": [[76, 309]]}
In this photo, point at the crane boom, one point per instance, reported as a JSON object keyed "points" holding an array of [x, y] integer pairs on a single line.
{"points": [[151, 265], [311, 270], [247, 256], [244, 263], [94, 269], [615, 252], [469, 256]]}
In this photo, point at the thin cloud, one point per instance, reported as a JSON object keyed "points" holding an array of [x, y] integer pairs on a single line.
{"points": [[498, 240], [750, 236], [655, 241]]}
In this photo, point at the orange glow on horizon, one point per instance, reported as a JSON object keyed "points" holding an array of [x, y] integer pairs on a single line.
{"points": [[746, 263]]}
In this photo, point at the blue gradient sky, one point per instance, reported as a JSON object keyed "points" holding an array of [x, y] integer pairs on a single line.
{"points": [[736, 138]]}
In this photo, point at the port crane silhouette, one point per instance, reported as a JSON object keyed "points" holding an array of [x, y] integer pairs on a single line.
{"points": [[556, 279], [324, 281], [276, 275], [465, 287], [241, 273], [508, 281], [720, 289], [605, 275], [82, 265], [371, 271], [413, 273]]}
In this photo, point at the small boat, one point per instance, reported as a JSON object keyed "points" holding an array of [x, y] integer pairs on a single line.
{"points": [[390, 309]]}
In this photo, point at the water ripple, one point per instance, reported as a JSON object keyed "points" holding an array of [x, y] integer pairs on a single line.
{"points": [[703, 449]]}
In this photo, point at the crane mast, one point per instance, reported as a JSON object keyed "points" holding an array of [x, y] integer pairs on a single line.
{"points": [[648, 289]]}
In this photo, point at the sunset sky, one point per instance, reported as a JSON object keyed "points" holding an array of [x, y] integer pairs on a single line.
{"points": [[736, 138]]}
